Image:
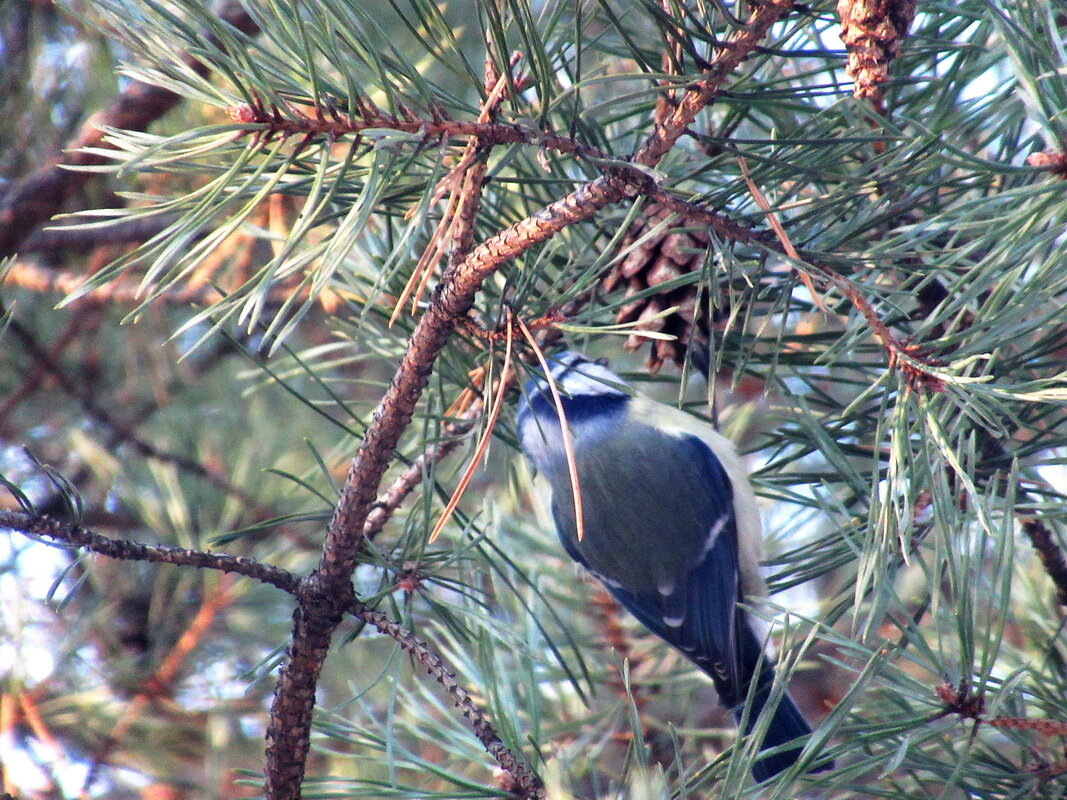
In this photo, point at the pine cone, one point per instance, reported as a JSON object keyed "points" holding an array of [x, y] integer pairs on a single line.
{"points": [[1050, 160], [872, 30], [671, 254]]}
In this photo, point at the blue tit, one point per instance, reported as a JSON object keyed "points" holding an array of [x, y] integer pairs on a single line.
{"points": [[670, 527]]}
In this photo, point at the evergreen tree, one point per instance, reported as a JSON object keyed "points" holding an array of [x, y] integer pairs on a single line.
{"points": [[317, 248]]}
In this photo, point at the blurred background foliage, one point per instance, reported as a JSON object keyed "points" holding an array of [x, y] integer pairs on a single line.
{"points": [[199, 348]]}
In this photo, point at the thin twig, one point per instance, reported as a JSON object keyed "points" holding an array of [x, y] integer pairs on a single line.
{"points": [[670, 65], [912, 360], [962, 701], [165, 675], [465, 181], [697, 96], [450, 437], [125, 550], [527, 783], [1049, 553], [270, 123], [36, 375], [718, 223]]}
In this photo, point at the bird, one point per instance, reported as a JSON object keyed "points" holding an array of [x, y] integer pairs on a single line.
{"points": [[670, 527]]}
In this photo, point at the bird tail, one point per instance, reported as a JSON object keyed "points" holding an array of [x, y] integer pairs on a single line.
{"points": [[787, 725]]}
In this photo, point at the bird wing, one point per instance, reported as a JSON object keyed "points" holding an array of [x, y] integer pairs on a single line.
{"points": [[689, 591], [701, 618]]}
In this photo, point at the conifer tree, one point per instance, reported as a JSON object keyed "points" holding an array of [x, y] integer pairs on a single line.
{"points": [[265, 526]]}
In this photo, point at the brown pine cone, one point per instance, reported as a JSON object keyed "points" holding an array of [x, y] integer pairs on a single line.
{"points": [[670, 254], [872, 30]]}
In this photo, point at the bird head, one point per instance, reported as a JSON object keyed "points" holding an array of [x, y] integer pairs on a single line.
{"points": [[575, 377], [591, 396]]}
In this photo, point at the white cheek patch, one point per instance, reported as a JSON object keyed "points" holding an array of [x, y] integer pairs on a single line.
{"points": [[541, 441]]}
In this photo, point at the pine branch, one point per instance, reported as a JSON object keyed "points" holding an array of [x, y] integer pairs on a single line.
{"points": [[702, 92], [526, 782], [922, 228], [911, 359], [328, 590], [264, 124], [125, 550], [388, 501], [40, 195]]}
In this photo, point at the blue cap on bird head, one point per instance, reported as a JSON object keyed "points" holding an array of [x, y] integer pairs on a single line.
{"points": [[587, 390], [575, 376]]}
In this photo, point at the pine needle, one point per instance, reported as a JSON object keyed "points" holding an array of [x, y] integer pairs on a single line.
{"points": [[568, 444], [483, 443], [779, 231]]}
